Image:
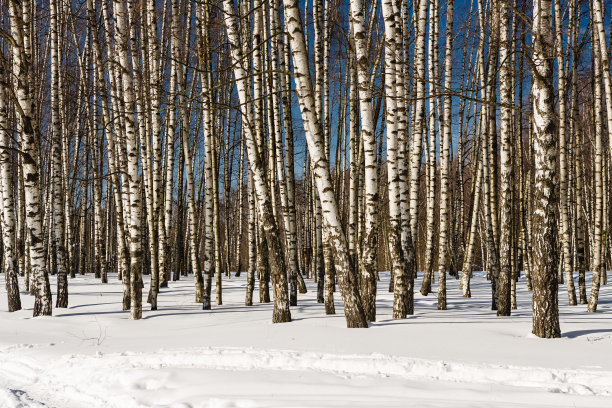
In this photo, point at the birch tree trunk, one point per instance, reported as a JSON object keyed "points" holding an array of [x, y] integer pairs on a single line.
{"points": [[250, 285], [275, 251], [545, 257], [239, 209], [577, 164], [347, 280], [203, 285], [368, 257], [122, 46], [122, 250], [289, 148], [419, 120], [488, 148], [170, 141], [30, 142], [214, 183], [154, 85], [563, 176], [8, 211], [430, 173], [445, 148], [468, 258], [401, 273], [58, 197], [506, 243], [597, 260]]}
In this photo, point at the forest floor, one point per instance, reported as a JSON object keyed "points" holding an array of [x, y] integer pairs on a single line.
{"points": [[92, 355]]}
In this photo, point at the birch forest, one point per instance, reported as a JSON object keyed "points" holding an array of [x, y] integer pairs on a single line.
{"points": [[294, 142]]}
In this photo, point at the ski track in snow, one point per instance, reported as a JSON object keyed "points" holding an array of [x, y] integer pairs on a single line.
{"points": [[62, 380], [184, 358]]}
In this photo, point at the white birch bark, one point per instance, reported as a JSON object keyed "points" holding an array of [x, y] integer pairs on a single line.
{"points": [[289, 147], [563, 174], [545, 258], [29, 140], [506, 130], [56, 121], [419, 121], [250, 286], [368, 258], [175, 41], [8, 211], [320, 166], [597, 237], [156, 234], [402, 276], [276, 257], [122, 249], [430, 174], [122, 45], [445, 148]]}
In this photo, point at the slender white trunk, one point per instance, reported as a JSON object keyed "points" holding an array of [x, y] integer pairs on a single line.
{"points": [[368, 259], [56, 122], [122, 45], [320, 166], [597, 260], [563, 174], [506, 130], [30, 142], [276, 256], [419, 122], [430, 174], [8, 210], [445, 149]]}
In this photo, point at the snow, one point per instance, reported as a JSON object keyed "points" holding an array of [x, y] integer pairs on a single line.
{"points": [[92, 355]]}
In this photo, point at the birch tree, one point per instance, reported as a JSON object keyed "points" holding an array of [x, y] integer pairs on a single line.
{"points": [[30, 142], [58, 196], [8, 210], [347, 281], [545, 302], [370, 242], [277, 262], [445, 148], [122, 46], [506, 219]]}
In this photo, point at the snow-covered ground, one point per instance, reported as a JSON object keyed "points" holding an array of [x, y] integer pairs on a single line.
{"points": [[92, 355]]}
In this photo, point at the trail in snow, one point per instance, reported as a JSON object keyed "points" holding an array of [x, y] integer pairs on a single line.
{"points": [[93, 379], [92, 355]]}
